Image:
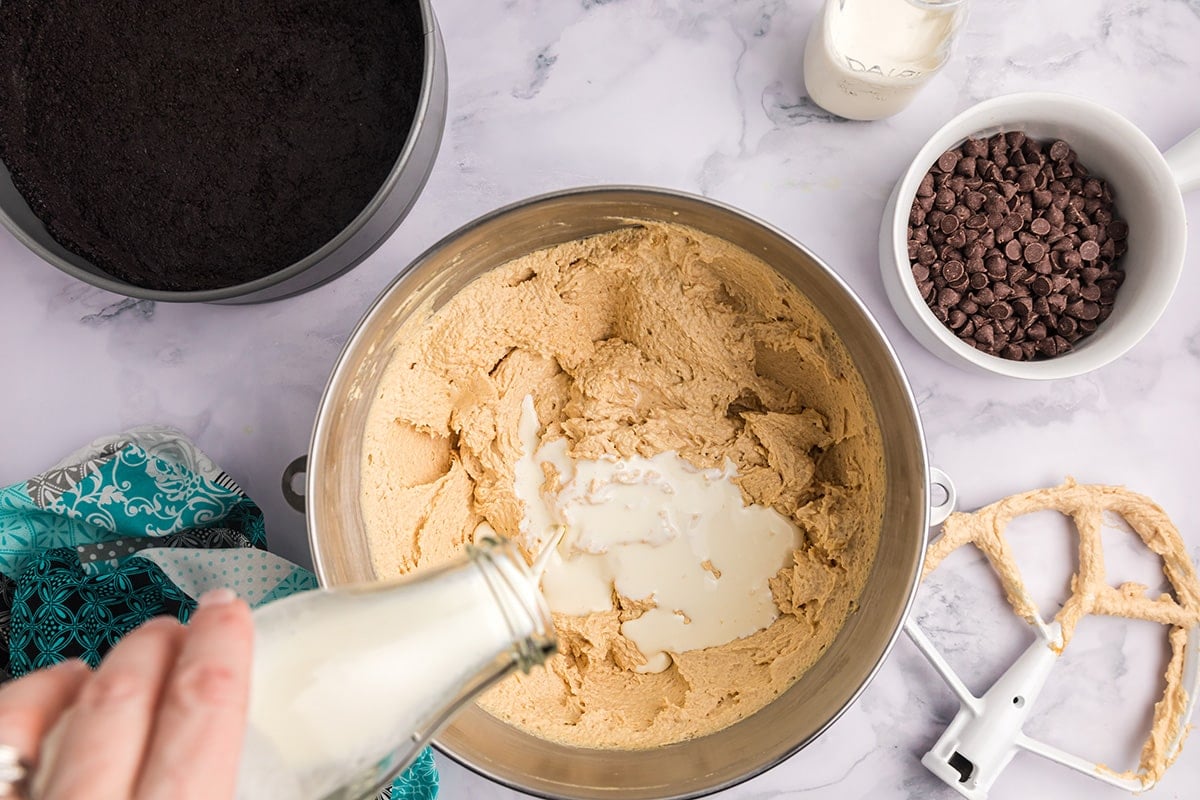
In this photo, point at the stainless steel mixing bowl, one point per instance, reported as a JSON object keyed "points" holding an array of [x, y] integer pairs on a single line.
{"points": [[353, 243], [700, 766]]}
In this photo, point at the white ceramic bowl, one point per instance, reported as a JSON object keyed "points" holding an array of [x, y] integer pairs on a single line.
{"points": [[1146, 185]]}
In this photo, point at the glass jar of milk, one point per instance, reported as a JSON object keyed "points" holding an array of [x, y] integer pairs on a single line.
{"points": [[867, 59], [349, 684]]}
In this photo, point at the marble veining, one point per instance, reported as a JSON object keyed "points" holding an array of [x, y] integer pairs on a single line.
{"points": [[708, 96]]}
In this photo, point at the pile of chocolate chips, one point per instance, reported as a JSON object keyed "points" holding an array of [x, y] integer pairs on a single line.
{"points": [[184, 145], [1014, 246]]}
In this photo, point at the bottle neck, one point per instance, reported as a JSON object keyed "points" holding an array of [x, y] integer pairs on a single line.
{"points": [[515, 589]]}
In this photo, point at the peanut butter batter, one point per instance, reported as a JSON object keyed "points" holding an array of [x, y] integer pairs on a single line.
{"points": [[644, 340]]}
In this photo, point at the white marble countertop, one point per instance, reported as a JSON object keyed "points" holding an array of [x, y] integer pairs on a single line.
{"points": [[707, 96]]}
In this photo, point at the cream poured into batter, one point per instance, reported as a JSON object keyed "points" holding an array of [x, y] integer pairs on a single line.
{"points": [[655, 529]]}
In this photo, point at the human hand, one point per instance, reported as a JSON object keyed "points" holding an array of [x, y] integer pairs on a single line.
{"points": [[162, 717]]}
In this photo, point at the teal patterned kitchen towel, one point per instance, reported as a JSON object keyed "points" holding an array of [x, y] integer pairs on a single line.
{"points": [[132, 527]]}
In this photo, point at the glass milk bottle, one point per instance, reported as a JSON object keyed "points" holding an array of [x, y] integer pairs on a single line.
{"points": [[867, 59], [349, 684]]}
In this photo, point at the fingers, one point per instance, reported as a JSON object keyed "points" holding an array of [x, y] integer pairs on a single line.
{"points": [[102, 738], [202, 720], [163, 717], [30, 706]]}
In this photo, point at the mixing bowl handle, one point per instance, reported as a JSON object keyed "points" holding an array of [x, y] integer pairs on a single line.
{"points": [[943, 497], [1184, 161], [298, 467]]}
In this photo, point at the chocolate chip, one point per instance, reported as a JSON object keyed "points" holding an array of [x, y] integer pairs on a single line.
{"points": [[1012, 250], [1084, 309], [953, 270], [949, 223], [1118, 229], [947, 160], [948, 297], [1039, 226], [1000, 311], [1059, 150], [975, 147], [1089, 251], [1034, 252]]}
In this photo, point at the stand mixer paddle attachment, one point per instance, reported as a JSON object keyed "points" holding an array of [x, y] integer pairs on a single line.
{"points": [[988, 731]]}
